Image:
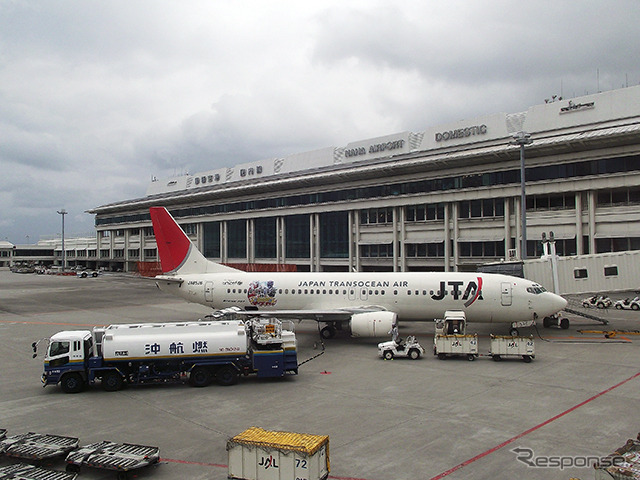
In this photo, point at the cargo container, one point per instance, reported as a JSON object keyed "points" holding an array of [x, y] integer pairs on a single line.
{"points": [[508, 346], [258, 454]]}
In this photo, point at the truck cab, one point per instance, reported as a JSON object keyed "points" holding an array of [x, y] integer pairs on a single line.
{"points": [[65, 360]]}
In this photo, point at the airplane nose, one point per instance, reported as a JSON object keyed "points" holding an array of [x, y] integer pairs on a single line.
{"points": [[555, 303]]}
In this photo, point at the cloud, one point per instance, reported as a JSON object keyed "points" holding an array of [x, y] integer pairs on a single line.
{"points": [[95, 98]]}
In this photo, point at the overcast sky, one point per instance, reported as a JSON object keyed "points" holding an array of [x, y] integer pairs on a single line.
{"points": [[98, 97]]}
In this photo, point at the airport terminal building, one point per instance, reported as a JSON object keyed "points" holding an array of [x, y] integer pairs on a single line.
{"points": [[447, 198]]}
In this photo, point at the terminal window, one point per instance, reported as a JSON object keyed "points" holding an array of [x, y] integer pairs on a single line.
{"points": [[580, 273]]}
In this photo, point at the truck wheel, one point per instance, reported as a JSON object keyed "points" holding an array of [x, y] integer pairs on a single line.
{"points": [[514, 332], [526, 358], [635, 306], [72, 383], [497, 358], [471, 357], [442, 356], [227, 375], [414, 354], [112, 381], [388, 355], [200, 377]]}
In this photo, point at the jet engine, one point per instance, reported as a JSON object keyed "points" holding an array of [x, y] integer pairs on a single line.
{"points": [[372, 324]]}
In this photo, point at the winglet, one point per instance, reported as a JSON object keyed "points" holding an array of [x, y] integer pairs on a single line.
{"points": [[177, 252]]}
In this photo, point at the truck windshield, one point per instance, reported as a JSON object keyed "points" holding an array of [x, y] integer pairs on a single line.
{"points": [[58, 348]]}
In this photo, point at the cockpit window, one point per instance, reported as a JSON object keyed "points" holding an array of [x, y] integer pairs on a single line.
{"points": [[58, 348], [536, 289]]}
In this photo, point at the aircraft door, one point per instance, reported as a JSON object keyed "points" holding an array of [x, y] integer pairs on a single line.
{"points": [[208, 292], [364, 294], [506, 296]]}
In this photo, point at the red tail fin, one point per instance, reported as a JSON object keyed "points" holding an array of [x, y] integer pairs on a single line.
{"points": [[173, 244], [177, 253]]}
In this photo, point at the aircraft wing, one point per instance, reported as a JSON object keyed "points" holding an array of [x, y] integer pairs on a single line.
{"points": [[364, 321]]}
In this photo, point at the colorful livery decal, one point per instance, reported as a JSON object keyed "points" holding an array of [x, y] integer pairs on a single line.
{"points": [[262, 294]]}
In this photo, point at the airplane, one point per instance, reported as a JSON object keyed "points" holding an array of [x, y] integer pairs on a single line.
{"points": [[369, 304]]}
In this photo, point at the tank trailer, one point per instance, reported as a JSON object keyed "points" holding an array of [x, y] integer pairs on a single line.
{"points": [[203, 351]]}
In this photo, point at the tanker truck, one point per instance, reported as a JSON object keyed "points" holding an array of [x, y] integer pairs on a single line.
{"points": [[200, 351]]}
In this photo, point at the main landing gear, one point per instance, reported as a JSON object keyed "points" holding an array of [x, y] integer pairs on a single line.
{"points": [[329, 330]]}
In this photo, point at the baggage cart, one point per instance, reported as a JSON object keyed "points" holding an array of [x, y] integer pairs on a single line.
{"points": [[623, 464], [120, 457], [258, 454], [36, 446], [456, 345], [23, 471], [508, 346]]}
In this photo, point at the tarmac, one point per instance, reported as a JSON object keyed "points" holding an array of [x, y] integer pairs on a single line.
{"points": [[401, 419]]}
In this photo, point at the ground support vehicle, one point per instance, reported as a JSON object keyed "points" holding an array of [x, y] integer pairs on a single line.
{"points": [[624, 463], [120, 457], [598, 301], [507, 346], [514, 332], [401, 348], [36, 446], [201, 351], [450, 337], [628, 304], [87, 273], [258, 454], [23, 471]]}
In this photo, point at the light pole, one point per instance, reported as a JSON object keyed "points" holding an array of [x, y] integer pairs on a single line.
{"points": [[522, 138], [62, 212]]}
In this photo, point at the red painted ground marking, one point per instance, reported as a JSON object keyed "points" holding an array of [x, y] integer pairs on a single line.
{"points": [[466, 462], [532, 429], [324, 372]]}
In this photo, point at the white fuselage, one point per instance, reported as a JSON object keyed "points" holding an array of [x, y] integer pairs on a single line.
{"points": [[413, 296]]}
